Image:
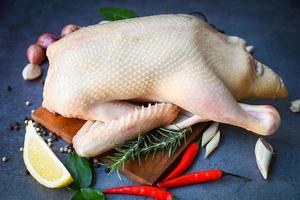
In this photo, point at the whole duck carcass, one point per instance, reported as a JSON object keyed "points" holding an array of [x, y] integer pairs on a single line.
{"points": [[177, 61]]}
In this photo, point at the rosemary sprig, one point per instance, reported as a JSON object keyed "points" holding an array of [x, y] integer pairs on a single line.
{"points": [[163, 140]]}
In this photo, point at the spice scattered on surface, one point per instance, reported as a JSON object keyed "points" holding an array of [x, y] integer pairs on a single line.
{"points": [[54, 137], [26, 172], [8, 88], [95, 162], [15, 126], [21, 149], [106, 170], [11, 127], [4, 159], [49, 140], [61, 149], [32, 111], [50, 144], [69, 151], [27, 103], [96, 165]]}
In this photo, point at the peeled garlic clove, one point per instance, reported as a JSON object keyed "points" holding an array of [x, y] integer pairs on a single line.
{"points": [[295, 105], [31, 71], [212, 145], [103, 22], [250, 49], [263, 154], [209, 133]]}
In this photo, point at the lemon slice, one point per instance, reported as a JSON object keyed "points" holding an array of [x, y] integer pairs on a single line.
{"points": [[42, 163]]}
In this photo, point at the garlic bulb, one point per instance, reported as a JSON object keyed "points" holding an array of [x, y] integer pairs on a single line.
{"points": [[263, 154], [31, 71]]}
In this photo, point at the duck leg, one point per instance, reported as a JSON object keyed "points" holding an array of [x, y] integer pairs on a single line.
{"points": [[205, 95]]}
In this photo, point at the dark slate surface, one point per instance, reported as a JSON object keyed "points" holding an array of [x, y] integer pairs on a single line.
{"points": [[271, 26]]}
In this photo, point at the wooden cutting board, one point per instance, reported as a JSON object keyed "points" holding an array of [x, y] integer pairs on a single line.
{"points": [[147, 172]]}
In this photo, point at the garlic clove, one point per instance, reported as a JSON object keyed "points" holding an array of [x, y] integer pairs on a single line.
{"points": [[212, 145], [31, 71], [250, 49], [263, 154], [295, 105], [103, 22], [209, 133]]}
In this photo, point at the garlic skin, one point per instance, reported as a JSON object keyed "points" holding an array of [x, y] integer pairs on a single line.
{"points": [[263, 154], [31, 71], [295, 105]]}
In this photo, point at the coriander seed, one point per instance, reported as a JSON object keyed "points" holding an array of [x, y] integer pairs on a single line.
{"points": [[27, 103], [50, 144], [95, 160], [8, 88], [4, 159]]}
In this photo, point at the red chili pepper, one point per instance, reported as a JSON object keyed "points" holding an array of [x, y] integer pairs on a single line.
{"points": [[148, 191], [185, 162], [197, 177]]}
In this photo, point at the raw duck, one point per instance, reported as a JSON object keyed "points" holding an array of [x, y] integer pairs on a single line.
{"points": [[177, 61]]}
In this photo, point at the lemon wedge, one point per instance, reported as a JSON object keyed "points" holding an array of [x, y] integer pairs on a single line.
{"points": [[42, 163]]}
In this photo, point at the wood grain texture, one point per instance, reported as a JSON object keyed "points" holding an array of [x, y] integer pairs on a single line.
{"points": [[147, 172]]}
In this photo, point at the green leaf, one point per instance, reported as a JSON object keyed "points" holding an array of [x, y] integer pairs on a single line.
{"points": [[113, 13], [80, 170], [88, 194]]}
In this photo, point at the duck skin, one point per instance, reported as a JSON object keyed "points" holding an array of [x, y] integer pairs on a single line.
{"points": [[178, 62]]}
